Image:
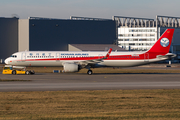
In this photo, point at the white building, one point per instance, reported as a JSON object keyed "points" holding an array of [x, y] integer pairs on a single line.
{"points": [[136, 38], [142, 33]]}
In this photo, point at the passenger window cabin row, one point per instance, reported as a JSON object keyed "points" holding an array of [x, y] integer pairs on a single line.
{"points": [[81, 57], [40, 56]]}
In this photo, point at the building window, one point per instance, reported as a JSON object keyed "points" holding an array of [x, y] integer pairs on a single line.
{"points": [[144, 39], [141, 30], [135, 39], [131, 43], [152, 35], [121, 35]]}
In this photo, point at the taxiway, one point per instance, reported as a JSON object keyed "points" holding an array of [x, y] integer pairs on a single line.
{"points": [[73, 81]]}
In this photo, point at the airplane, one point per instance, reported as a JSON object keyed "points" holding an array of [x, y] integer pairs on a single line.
{"points": [[73, 61]]}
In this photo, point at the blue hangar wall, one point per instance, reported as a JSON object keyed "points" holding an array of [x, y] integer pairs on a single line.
{"points": [[54, 35], [8, 36]]}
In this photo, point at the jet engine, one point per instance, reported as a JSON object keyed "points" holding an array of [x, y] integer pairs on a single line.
{"points": [[19, 67], [71, 67]]}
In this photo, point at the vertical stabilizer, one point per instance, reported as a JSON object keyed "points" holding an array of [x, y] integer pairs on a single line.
{"points": [[164, 42]]}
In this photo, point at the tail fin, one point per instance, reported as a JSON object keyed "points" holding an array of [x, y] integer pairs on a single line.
{"points": [[164, 42]]}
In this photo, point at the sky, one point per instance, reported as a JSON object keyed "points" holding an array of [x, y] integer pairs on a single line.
{"points": [[63, 9]]}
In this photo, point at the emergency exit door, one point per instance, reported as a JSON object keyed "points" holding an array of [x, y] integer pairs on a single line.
{"points": [[57, 56], [146, 57]]}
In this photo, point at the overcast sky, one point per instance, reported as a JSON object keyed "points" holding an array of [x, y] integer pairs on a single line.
{"points": [[63, 9]]}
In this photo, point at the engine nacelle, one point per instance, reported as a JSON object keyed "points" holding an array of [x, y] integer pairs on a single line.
{"points": [[71, 67], [19, 67]]}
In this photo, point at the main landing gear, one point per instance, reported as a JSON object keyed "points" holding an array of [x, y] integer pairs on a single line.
{"points": [[89, 72], [30, 72]]}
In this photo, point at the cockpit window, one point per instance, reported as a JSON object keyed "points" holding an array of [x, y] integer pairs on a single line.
{"points": [[14, 56]]}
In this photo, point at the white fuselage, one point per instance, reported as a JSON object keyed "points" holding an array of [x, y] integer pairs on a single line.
{"points": [[58, 58]]}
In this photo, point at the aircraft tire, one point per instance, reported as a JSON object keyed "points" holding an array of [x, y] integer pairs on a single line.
{"points": [[32, 72], [27, 72], [89, 72], [14, 72]]}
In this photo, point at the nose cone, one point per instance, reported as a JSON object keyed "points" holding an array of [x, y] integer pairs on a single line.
{"points": [[6, 61]]}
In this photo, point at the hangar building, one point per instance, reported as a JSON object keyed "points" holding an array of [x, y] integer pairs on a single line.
{"points": [[46, 34], [42, 34]]}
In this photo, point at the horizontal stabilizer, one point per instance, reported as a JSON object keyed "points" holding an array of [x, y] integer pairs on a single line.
{"points": [[167, 56]]}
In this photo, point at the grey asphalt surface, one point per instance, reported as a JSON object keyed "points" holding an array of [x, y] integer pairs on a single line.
{"points": [[77, 81]]}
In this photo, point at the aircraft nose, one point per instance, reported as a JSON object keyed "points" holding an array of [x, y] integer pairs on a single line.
{"points": [[6, 61]]}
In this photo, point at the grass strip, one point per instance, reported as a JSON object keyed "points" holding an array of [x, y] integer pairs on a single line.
{"points": [[91, 105]]}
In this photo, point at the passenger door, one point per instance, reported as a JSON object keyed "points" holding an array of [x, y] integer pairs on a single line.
{"points": [[23, 56]]}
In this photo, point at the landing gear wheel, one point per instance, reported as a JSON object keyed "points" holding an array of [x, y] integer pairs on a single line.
{"points": [[14, 72], [89, 72], [32, 72], [27, 72]]}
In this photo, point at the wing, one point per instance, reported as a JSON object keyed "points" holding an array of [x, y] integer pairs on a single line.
{"points": [[94, 61]]}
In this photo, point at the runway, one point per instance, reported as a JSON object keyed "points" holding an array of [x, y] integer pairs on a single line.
{"points": [[76, 81]]}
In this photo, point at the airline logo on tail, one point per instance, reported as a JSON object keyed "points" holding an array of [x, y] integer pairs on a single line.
{"points": [[164, 42]]}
